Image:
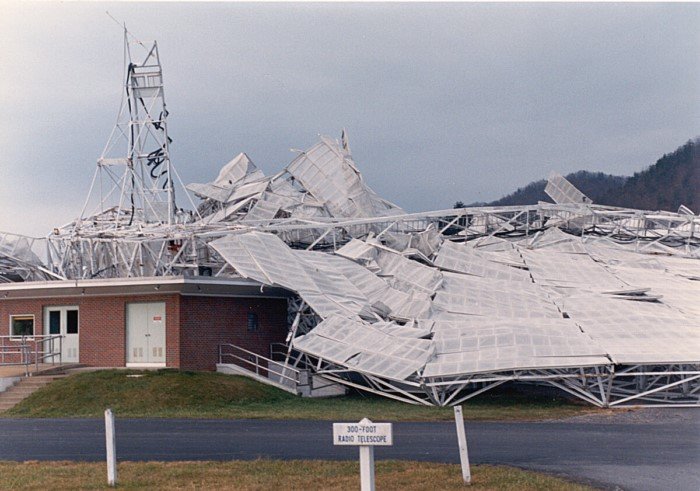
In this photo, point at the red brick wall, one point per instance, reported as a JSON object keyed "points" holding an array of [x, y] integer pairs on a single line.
{"points": [[194, 328], [102, 324], [205, 322]]}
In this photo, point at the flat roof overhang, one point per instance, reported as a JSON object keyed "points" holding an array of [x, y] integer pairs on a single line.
{"points": [[158, 285]]}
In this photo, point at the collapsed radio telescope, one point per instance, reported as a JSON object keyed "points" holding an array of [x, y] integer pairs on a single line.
{"points": [[429, 308]]}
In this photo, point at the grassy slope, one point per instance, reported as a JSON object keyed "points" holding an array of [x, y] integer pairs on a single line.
{"points": [[269, 474], [170, 393]]}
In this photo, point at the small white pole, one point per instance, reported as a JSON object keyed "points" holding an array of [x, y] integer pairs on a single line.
{"points": [[366, 468], [462, 438], [111, 448]]}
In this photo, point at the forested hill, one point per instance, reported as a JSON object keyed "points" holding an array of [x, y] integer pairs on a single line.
{"points": [[672, 181], [595, 185]]}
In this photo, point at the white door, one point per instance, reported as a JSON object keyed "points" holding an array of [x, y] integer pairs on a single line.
{"points": [[63, 321], [145, 333]]}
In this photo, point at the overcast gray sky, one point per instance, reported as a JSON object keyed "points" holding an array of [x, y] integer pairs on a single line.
{"points": [[442, 102]]}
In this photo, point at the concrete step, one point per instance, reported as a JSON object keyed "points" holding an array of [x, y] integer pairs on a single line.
{"points": [[12, 399], [44, 378], [38, 382], [14, 391], [24, 388], [57, 370]]}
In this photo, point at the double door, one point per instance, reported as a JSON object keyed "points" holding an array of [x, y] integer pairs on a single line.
{"points": [[63, 321], [145, 334]]}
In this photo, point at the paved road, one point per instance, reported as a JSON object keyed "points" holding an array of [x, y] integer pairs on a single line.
{"points": [[645, 455]]}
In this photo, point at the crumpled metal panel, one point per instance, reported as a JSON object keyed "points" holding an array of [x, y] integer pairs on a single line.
{"points": [[332, 178], [358, 251], [463, 259], [426, 241], [210, 191], [555, 240], [263, 211], [634, 332], [239, 171], [18, 262], [463, 294], [371, 350], [563, 192], [494, 344], [407, 275], [266, 258], [570, 270]]}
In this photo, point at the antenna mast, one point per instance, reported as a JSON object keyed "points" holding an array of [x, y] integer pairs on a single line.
{"points": [[135, 163]]}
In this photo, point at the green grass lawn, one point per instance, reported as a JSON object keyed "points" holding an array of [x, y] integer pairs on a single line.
{"points": [[271, 474], [182, 394]]}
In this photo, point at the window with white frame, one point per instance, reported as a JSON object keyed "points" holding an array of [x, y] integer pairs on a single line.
{"points": [[22, 325]]}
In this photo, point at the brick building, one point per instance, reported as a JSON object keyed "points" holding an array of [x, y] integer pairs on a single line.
{"points": [[173, 322]]}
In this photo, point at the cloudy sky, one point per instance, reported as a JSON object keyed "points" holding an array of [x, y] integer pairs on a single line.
{"points": [[442, 102]]}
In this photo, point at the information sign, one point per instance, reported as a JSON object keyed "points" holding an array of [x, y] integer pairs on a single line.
{"points": [[363, 433]]}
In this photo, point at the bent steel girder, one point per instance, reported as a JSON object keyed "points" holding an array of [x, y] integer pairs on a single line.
{"points": [[19, 261], [646, 385], [83, 252]]}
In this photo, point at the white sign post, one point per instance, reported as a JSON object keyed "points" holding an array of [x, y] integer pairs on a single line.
{"points": [[366, 435], [462, 439], [111, 448]]}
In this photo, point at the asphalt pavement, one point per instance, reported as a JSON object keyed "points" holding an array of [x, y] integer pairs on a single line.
{"points": [[634, 453]]}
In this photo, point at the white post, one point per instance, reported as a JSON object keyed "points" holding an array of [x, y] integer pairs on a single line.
{"points": [[111, 448], [366, 468], [462, 439]]}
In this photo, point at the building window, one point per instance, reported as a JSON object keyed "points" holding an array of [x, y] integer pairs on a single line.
{"points": [[71, 322], [54, 322], [252, 322], [22, 325]]}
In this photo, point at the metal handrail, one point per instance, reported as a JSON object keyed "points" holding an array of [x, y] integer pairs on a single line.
{"points": [[252, 358], [278, 349], [281, 351], [20, 347]]}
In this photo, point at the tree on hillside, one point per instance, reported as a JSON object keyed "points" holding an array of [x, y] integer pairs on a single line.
{"points": [[672, 181]]}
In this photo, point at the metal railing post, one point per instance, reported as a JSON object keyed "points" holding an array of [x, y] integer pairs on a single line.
{"points": [[30, 351], [25, 356]]}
